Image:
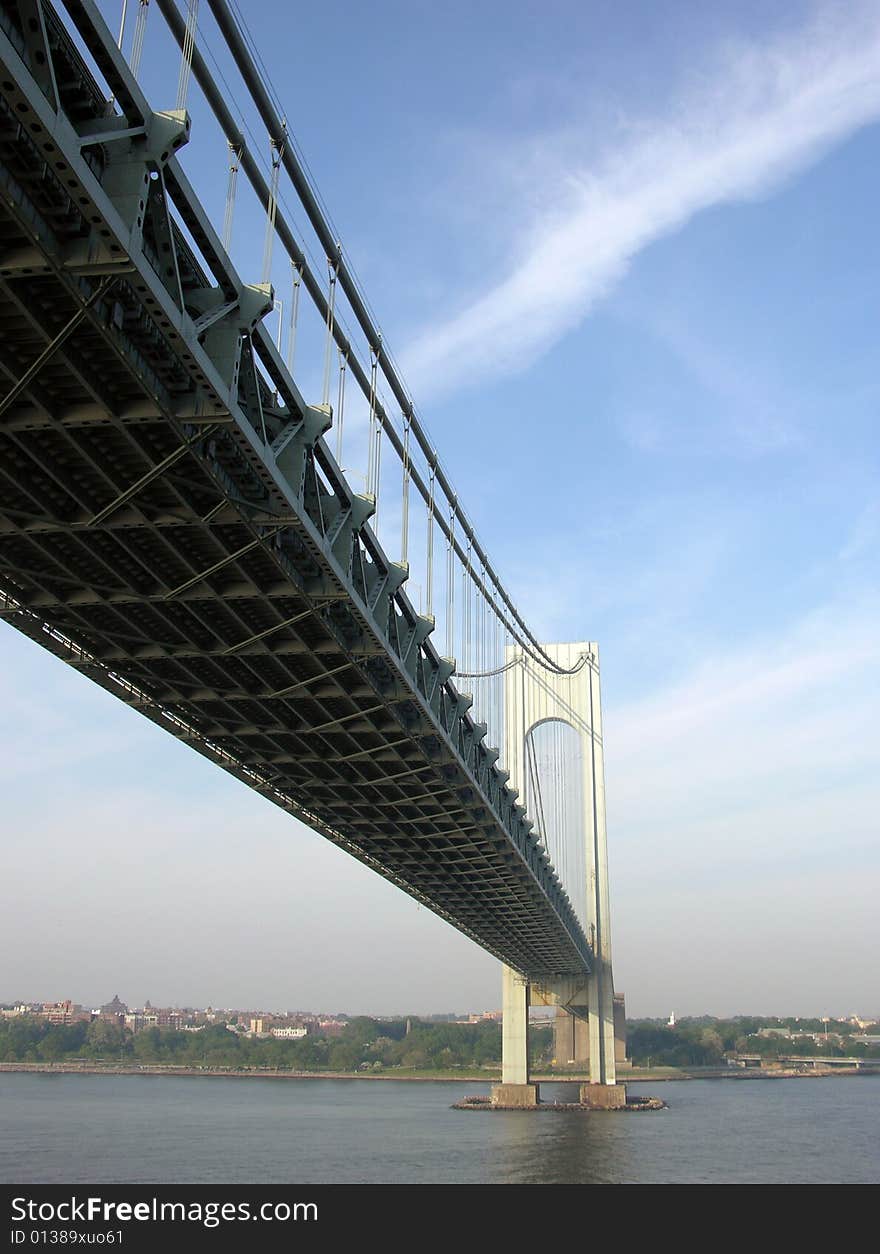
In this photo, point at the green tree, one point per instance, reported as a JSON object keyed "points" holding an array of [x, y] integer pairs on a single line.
{"points": [[148, 1045], [361, 1031], [345, 1056], [51, 1047], [106, 1038]]}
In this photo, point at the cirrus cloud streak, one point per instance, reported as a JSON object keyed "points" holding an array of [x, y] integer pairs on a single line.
{"points": [[755, 116]]}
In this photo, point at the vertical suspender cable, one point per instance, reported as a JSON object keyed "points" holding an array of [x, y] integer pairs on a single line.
{"points": [[481, 683], [450, 584], [463, 652], [498, 683], [486, 665], [137, 42], [278, 304], [489, 666], [234, 164], [405, 502], [471, 611], [521, 722], [480, 616], [563, 813], [569, 795], [277, 152], [527, 745], [560, 805], [371, 434], [558, 817], [478, 631], [466, 651], [505, 713], [333, 270], [557, 809], [492, 682], [374, 451], [296, 273], [429, 581], [500, 690], [565, 804], [378, 471], [340, 405], [192, 10], [502, 694], [577, 825]]}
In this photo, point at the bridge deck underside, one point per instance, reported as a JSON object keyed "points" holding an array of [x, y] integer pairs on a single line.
{"points": [[178, 603]]}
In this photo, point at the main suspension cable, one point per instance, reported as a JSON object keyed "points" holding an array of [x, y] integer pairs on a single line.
{"points": [[497, 597]]}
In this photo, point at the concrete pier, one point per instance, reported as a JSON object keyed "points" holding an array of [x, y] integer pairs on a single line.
{"points": [[603, 1096], [521, 1096]]}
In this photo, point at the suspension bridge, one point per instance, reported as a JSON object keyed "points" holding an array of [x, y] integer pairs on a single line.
{"points": [[177, 521]]}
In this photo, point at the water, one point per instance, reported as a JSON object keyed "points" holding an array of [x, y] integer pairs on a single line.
{"points": [[190, 1130]]}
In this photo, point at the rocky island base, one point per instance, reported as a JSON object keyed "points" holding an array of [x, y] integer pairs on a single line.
{"points": [[632, 1104]]}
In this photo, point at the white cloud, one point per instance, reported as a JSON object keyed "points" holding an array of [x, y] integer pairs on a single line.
{"points": [[757, 115], [745, 725]]}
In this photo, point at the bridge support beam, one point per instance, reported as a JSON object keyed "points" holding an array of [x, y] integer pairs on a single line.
{"points": [[515, 1088], [571, 1030]]}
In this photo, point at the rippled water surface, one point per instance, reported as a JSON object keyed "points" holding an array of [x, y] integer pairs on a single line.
{"points": [[140, 1129]]}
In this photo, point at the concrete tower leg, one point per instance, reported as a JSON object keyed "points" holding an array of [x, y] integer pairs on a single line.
{"points": [[515, 1089], [600, 985], [602, 1055]]}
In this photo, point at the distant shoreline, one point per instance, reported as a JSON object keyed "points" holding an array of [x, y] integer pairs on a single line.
{"points": [[627, 1077], [62, 1068]]}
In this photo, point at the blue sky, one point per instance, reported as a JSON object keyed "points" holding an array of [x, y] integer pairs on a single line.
{"points": [[627, 257]]}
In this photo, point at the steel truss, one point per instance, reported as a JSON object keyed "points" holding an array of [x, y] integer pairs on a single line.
{"points": [[173, 524]]}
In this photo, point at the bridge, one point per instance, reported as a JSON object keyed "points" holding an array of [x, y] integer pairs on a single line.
{"points": [[178, 524]]}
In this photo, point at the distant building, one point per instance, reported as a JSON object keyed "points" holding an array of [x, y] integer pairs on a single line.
{"points": [[63, 1013], [114, 1007], [155, 1018], [288, 1034], [113, 1012], [331, 1027]]}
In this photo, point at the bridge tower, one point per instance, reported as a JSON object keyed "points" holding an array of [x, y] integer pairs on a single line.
{"points": [[535, 695]]}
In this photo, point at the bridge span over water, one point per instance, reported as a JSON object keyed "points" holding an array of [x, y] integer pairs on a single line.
{"points": [[175, 522]]}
